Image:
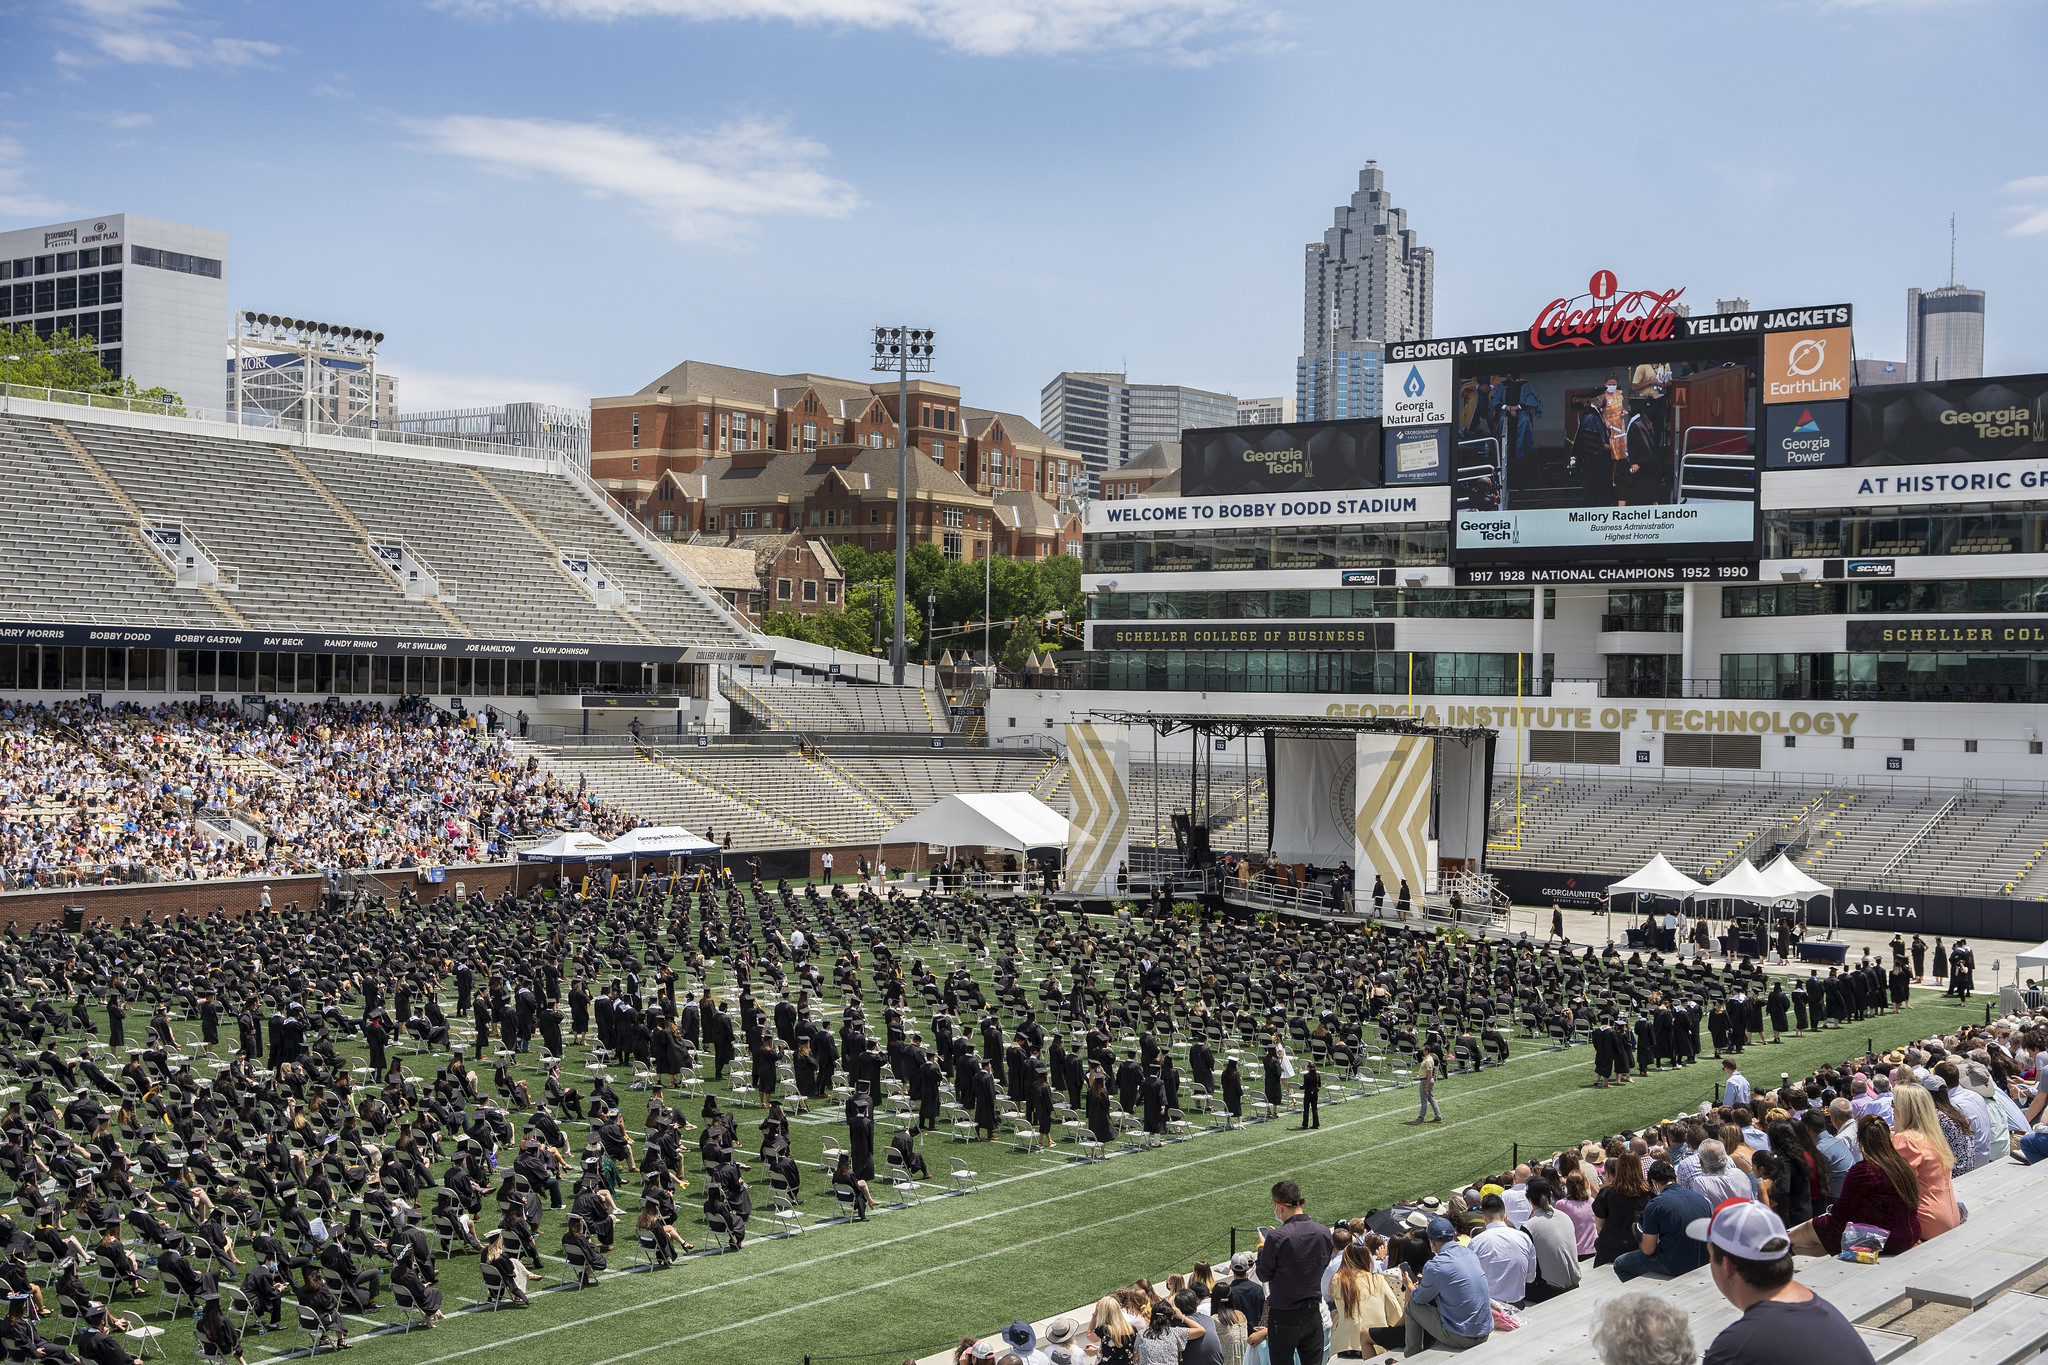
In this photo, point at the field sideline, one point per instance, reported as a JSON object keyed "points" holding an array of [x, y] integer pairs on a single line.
{"points": [[1042, 1233]]}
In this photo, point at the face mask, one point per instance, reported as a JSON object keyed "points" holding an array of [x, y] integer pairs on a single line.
{"points": [[1610, 388]]}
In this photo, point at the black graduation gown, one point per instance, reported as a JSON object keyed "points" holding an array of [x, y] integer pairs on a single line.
{"points": [[1098, 1117]]}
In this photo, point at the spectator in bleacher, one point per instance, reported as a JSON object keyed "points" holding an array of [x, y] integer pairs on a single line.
{"points": [[1641, 1329], [1735, 1091], [1783, 1322], [1115, 1339], [1618, 1207], [1577, 1205], [1916, 1134], [1504, 1251], [1837, 1157], [1718, 1178], [1360, 1300], [1290, 1263], [1666, 1251], [1555, 1239], [1449, 1305], [1880, 1191]]}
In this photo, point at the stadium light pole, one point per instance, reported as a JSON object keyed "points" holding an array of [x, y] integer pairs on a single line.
{"points": [[7, 380], [902, 349]]}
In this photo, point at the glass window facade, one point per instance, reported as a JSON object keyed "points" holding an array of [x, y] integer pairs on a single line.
{"points": [[1487, 604], [1901, 596], [1885, 677], [2005, 529], [1384, 672]]}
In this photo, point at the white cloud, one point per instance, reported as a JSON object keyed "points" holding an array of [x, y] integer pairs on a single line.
{"points": [[435, 390], [153, 33], [1192, 32], [698, 186], [127, 120], [16, 199], [2033, 220]]}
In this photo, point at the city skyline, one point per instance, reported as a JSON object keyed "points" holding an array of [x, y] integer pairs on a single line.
{"points": [[516, 195]]}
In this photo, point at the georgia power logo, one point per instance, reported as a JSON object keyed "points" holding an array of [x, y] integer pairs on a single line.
{"points": [[1806, 357]]}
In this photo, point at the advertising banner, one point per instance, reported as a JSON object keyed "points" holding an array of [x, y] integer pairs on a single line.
{"points": [[1418, 454], [1419, 394], [1806, 435], [1808, 367], [327, 642], [1337, 636], [1973, 420], [1926, 485], [1300, 457]]}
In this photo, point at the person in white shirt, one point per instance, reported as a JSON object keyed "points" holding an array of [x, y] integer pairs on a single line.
{"points": [[1973, 1106], [1505, 1253], [1516, 1197], [1718, 1179], [1734, 1086], [1555, 1241]]}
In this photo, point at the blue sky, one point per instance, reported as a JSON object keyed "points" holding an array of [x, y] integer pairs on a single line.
{"points": [[560, 198]]}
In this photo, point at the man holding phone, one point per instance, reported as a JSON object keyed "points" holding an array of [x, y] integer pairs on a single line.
{"points": [[1291, 1261]]}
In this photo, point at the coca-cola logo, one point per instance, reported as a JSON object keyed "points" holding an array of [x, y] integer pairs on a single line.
{"points": [[1614, 317]]}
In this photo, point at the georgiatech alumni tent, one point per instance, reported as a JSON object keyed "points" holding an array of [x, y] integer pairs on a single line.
{"points": [[573, 847], [1782, 873], [660, 841]]}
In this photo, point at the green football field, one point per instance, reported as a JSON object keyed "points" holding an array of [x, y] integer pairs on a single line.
{"points": [[1037, 1234]]}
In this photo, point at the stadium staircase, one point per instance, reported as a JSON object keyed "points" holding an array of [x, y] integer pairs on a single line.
{"points": [[556, 558], [348, 518], [660, 795]]}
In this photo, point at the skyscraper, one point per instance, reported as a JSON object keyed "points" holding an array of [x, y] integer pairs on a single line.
{"points": [[1109, 419], [1364, 284], [1944, 334]]}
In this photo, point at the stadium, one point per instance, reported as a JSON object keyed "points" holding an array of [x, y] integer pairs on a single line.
{"points": [[820, 1000]]}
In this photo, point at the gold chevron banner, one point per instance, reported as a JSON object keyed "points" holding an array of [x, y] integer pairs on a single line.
{"points": [[1099, 807], [1395, 782]]}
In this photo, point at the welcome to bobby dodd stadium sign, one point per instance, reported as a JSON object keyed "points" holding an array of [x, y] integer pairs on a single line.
{"points": [[1361, 506], [326, 642]]}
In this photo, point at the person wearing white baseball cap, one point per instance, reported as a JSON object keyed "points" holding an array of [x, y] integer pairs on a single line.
{"points": [[1783, 1322]]}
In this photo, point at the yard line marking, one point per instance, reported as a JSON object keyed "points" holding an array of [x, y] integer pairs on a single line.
{"points": [[1293, 1135]]}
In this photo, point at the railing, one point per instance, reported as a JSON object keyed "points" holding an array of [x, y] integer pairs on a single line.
{"points": [[1919, 835]]}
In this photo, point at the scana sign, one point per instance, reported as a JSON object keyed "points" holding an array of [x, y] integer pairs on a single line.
{"points": [[1613, 317]]}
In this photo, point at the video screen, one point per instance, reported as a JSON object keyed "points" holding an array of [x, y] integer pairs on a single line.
{"points": [[1302, 457], [1644, 452]]}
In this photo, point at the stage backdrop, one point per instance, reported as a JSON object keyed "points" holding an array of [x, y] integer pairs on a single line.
{"points": [[1099, 807], [1464, 782], [1312, 783], [1396, 777]]}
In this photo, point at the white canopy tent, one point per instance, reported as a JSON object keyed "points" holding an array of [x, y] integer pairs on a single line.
{"points": [[575, 846], [1006, 820], [1744, 883], [660, 841], [1654, 878], [1784, 874], [2036, 956]]}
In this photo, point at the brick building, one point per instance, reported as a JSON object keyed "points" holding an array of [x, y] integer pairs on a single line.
{"points": [[708, 452]]}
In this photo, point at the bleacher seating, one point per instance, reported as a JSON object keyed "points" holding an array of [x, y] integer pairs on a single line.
{"points": [[1987, 844], [2002, 1243], [294, 522], [844, 708]]}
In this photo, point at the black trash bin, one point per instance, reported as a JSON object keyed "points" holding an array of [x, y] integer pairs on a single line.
{"points": [[74, 918]]}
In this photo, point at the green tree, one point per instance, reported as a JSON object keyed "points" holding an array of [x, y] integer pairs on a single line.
{"points": [[64, 361]]}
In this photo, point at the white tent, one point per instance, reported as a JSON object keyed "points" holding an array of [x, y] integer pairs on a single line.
{"points": [[2036, 956], [1784, 874], [572, 847], [1012, 820], [660, 841], [1657, 877], [1744, 883]]}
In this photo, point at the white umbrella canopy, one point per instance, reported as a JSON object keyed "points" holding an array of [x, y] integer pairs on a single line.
{"points": [[1012, 820], [1744, 883]]}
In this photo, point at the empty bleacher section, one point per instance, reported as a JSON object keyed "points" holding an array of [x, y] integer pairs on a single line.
{"points": [[658, 795], [1963, 842], [295, 523], [839, 709], [63, 538]]}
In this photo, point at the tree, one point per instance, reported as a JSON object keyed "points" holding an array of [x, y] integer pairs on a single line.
{"points": [[64, 361]]}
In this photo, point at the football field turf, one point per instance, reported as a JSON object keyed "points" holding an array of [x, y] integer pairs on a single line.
{"points": [[1038, 1234]]}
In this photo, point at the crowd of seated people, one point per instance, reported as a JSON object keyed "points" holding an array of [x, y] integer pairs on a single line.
{"points": [[92, 795], [1875, 1141]]}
